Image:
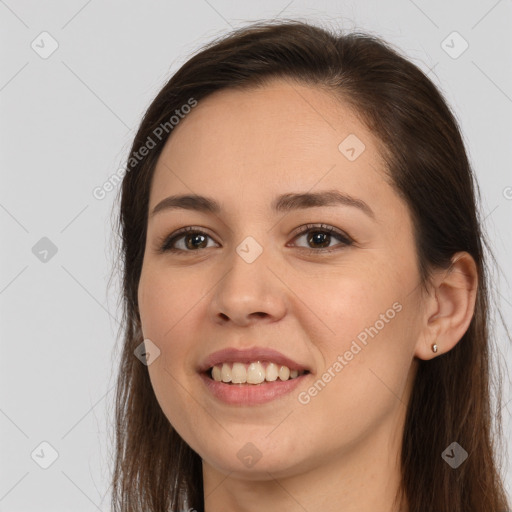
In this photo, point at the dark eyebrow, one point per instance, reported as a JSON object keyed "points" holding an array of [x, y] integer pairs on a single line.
{"points": [[287, 202], [283, 203]]}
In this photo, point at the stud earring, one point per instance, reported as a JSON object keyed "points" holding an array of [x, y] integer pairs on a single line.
{"points": [[434, 348]]}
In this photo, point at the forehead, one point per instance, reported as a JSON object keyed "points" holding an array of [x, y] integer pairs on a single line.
{"points": [[281, 137]]}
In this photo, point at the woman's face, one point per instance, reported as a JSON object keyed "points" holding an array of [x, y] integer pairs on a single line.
{"points": [[342, 305]]}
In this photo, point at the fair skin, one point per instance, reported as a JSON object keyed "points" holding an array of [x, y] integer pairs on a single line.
{"points": [[340, 451]]}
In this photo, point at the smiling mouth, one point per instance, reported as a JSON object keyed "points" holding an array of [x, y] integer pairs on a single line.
{"points": [[255, 373]]}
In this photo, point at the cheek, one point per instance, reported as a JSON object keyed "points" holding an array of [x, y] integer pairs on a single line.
{"points": [[164, 299], [367, 351], [350, 304], [160, 312], [169, 303], [167, 315], [362, 384]]}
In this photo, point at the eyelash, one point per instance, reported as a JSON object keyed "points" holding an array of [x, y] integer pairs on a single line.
{"points": [[166, 244]]}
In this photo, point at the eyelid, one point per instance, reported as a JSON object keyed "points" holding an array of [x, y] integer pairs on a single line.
{"points": [[344, 239], [163, 243], [166, 240], [320, 227]]}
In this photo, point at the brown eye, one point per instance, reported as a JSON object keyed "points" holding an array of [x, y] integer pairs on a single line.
{"points": [[193, 239], [320, 237]]}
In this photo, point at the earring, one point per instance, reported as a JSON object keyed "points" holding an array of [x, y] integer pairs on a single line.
{"points": [[434, 348]]}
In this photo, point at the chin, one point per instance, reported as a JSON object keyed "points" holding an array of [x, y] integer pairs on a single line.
{"points": [[254, 461]]}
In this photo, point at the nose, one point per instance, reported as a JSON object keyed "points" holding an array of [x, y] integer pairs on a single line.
{"points": [[248, 292]]}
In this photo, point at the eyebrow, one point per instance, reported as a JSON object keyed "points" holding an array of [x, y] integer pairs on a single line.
{"points": [[283, 203]]}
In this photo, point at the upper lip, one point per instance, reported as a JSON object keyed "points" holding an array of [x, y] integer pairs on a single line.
{"points": [[234, 355]]}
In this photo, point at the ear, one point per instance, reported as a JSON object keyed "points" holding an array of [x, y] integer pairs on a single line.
{"points": [[449, 306]]}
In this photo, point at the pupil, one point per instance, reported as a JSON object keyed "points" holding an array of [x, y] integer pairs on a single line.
{"points": [[314, 238], [192, 246]]}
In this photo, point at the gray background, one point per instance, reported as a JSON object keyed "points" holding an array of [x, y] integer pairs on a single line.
{"points": [[67, 121]]}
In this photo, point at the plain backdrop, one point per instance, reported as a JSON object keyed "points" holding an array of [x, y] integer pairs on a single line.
{"points": [[75, 80]]}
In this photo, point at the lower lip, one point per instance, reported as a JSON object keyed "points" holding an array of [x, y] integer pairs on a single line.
{"points": [[251, 394]]}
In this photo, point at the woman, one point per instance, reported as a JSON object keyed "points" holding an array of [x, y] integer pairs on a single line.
{"points": [[305, 292]]}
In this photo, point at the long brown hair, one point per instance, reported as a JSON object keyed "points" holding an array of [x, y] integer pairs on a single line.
{"points": [[155, 470]]}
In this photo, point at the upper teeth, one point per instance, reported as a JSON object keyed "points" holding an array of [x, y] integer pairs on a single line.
{"points": [[253, 373]]}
